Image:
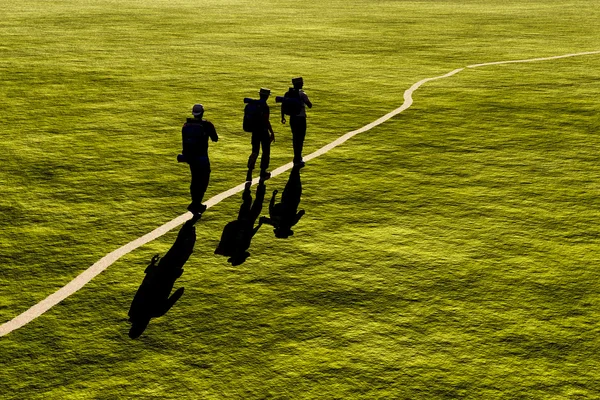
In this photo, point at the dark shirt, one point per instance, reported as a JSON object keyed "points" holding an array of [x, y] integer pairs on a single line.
{"points": [[265, 113], [199, 131]]}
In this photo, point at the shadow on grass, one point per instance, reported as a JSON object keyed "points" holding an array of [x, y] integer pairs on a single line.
{"points": [[284, 215], [153, 299], [237, 235]]}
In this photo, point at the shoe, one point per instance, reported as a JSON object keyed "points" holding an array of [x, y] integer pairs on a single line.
{"points": [[265, 175], [194, 209]]}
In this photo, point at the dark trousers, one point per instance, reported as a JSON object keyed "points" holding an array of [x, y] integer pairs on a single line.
{"points": [[298, 125], [200, 170], [260, 139]]}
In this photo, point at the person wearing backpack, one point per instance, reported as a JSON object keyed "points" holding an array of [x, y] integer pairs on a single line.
{"points": [[195, 134], [294, 104], [256, 121]]}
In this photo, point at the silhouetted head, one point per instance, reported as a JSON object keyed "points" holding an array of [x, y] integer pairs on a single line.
{"points": [[198, 111], [264, 93], [298, 82]]}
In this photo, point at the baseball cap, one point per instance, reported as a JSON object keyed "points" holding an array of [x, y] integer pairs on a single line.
{"points": [[197, 110]]}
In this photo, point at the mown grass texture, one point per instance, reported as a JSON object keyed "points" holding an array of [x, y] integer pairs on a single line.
{"points": [[449, 253]]}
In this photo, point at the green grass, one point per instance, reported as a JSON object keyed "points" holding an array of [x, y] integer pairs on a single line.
{"points": [[449, 253]]}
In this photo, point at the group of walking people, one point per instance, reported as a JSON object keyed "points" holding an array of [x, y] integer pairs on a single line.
{"points": [[153, 298], [197, 131]]}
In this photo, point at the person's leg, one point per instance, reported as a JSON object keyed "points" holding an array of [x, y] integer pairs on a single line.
{"points": [[255, 150], [204, 175], [194, 182], [254, 155], [298, 125], [265, 141], [200, 177]]}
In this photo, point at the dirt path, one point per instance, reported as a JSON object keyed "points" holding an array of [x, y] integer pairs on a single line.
{"points": [[113, 256]]}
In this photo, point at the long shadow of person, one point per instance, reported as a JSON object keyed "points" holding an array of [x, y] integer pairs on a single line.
{"points": [[284, 215], [237, 235], [153, 296]]}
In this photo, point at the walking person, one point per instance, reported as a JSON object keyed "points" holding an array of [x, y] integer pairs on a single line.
{"points": [[195, 134], [262, 133], [297, 112]]}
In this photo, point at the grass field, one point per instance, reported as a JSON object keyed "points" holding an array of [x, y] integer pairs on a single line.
{"points": [[448, 253]]}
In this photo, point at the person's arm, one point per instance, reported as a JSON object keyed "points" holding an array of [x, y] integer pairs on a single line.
{"points": [[267, 116], [212, 132], [282, 115], [270, 128], [306, 100]]}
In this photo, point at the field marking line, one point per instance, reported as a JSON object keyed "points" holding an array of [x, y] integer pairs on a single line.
{"points": [[587, 53], [106, 261]]}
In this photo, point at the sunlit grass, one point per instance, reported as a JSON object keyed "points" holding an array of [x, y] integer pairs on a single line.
{"points": [[449, 253]]}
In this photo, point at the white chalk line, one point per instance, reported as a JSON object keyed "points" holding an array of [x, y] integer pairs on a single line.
{"points": [[106, 261]]}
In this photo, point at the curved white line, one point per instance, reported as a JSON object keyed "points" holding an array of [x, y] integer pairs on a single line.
{"points": [[587, 53], [113, 256]]}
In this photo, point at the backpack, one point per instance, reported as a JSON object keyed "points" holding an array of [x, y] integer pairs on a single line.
{"points": [[193, 135], [253, 115], [292, 104]]}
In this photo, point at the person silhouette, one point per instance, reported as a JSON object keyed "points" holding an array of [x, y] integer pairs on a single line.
{"points": [[153, 298], [195, 134], [237, 235], [297, 118], [262, 136], [284, 215]]}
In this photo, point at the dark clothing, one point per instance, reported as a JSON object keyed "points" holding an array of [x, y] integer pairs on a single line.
{"points": [[195, 134], [298, 125], [200, 170], [261, 139], [265, 114]]}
